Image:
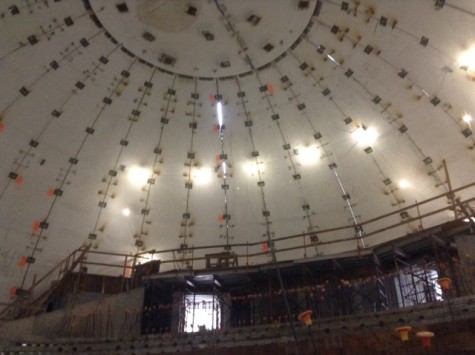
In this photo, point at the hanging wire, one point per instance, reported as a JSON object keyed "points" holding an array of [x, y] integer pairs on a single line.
{"points": [[223, 165], [268, 233]]}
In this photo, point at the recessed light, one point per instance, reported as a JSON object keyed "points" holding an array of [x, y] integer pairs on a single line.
{"points": [[467, 59], [363, 135], [126, 212], [139, 176], [202, 175], [467, 118], [308, 155], [251, 168], [403, 184]]}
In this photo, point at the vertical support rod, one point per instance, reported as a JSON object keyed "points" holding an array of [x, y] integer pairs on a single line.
{"points": [[419, 216], [451, 195]]}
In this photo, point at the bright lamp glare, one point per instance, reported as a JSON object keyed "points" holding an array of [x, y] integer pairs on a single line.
{"points": [[139, 176], [404, 184], [219, 107], [467, 58], [202, 175], [126, 212], [251, 168], [308, 155], [333, 59], [365, 136], [224, 168], [467, 118]]}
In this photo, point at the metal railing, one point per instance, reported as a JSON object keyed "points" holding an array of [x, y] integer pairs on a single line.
{"points": [[424, 213]]}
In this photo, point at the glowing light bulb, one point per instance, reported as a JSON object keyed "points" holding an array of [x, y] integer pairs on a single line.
{"points": [[366, 136], [308, 155], [467, 118], [467, 58], [251, 168], [404, 184], [139, 176], [333, 59], [126, 212], [219, 108], [202, 176]]}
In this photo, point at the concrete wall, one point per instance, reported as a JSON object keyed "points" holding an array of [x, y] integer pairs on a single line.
{"points": [[117, 316]]}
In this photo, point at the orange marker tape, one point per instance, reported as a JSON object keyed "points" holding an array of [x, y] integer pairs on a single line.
{"points": [[2, 127], [19, 180], [12, 291], [36, 226], [22, 262]]}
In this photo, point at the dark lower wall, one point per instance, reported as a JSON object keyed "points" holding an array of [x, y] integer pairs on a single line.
{"points": [[113, 316]]}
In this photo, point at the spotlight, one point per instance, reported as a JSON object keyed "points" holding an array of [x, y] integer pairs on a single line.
{"points": [[467, 118], [139, 176], [366, 136], [467, 58], [308, 155]]}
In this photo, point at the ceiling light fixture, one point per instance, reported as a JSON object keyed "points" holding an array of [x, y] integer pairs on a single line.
{"points": [[333, 59], [252, 168], [363, 135], [467, 58], [219, 108], [308, 155], [467, 118], [224, 168], [202, 176], [126, 212], [139, 176], [403, 184]]}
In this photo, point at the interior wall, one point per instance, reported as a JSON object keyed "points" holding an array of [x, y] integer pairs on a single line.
{"points": [[116, 316]]}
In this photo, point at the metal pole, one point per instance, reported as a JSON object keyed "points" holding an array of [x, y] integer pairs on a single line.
{"points": [[449, 184]]}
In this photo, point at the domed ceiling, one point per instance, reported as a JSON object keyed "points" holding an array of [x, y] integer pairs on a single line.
{"points": [[174, 125]]}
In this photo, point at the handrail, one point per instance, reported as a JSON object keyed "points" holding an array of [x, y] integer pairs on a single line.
{"points": [[244, 250], [396, 213]]}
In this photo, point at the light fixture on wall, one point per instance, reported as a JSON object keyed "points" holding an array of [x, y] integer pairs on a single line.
{"points": [[426, 337], [467, 59], [445, 283], [306, 317], [308, 155], [364, 135], [252, 168], [138, 176], [202, 176], [403, 332]]}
